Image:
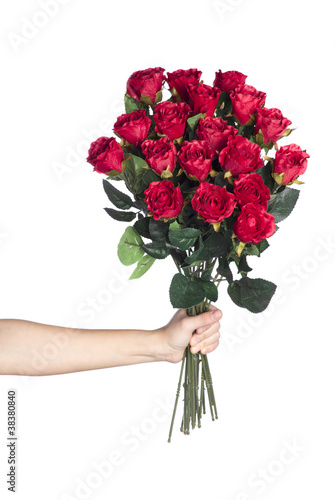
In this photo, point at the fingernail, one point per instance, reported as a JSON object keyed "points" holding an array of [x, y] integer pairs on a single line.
{"points": [[216, 314], [194, 341]]}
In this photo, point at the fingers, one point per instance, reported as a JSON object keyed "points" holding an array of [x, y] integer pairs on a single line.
{"points": [[207, 341], [204, 320], [206, 345]]}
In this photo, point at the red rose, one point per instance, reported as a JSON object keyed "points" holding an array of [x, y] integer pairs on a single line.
{"points": [[250, 188], [289, 163], [133, 127], [180, 78], [240, 156], [254, 224], [215, 132], [228, 81], [163, 199], [203, 98], [170, 118], [195, 158], [245, 100], [160, 155], [147, 82], [213, 203], [272, 123], [105, 154]]}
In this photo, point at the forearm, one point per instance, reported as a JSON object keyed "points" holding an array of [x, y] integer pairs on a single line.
{"points": [[28, 348]]}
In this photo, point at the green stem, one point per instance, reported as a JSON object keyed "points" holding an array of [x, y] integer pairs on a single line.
{"points": [[177, 397]]}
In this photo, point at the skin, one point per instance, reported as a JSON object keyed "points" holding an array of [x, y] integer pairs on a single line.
{"points": [[29, 348]]}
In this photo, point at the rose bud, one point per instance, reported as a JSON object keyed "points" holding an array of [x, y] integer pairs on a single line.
{"points": [[254, 224], [240, 156], [145, 84], [245, 100], [203, 98], [250, 188], [213, 203], [271, 123], [179, 79], [133, 127], [215, 132], [289, 163], [161, 155], [164, 200], [195, 158], [105, 154], [170, 118], [228, 81]]}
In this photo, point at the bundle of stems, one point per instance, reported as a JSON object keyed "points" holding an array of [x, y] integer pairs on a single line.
{"points": [[195, 385]]}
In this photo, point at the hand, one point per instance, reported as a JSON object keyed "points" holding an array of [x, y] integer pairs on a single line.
{"points": [[178, 333]]}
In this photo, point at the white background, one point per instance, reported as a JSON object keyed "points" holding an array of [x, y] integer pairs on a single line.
{"points": [[273, 373]]}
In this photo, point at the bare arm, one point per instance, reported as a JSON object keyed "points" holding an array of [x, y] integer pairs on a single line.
{"points": [[29, 348]]}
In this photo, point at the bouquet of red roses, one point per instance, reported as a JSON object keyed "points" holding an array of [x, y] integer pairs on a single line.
{"points": [[204, 191]]}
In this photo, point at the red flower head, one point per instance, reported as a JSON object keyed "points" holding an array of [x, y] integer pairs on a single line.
{"points": [[245, 100], [289, 163], [203, 98], [240, 156], [160, 155], [272, 123], [254, 224], [228, 81], [195, 158], [170, 118], [105, 154], [164, 200], [213, 203], [147, 83], [179, 79], [133, 127]]}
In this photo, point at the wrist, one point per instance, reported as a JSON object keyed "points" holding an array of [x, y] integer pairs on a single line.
{"points": [[163, 351]]}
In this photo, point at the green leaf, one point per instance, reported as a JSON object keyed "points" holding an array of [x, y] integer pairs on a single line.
{"points": [[150, 176], [119, 199], [142, 226], [215, 246], [121, 216], [142, 267], [224, 269], [134, 172], [265, 172], [263, 245], [211, 291], [129, 249], [243, 267], [252, 294], [282, 204], [132, 104], [158, 230], [185, 293], [184, 238], [156, 249], [193, 121]]}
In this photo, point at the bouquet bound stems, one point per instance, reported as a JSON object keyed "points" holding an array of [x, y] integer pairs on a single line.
{"points": [[194, 402], [209, 186]]}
